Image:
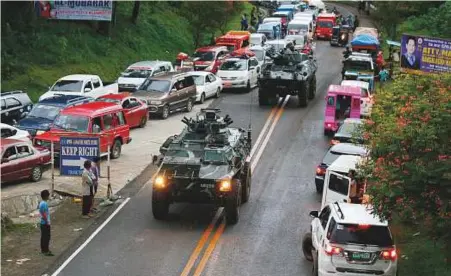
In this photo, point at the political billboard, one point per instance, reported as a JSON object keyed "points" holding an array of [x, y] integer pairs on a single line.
{"points": [[75, 10], [423, 55]]}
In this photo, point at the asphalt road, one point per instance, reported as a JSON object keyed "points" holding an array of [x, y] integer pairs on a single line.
{"points": [[267, 239]]}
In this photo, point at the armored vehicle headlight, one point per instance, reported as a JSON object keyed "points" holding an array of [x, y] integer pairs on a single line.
{"points": [[225, 186], [160, 182]]}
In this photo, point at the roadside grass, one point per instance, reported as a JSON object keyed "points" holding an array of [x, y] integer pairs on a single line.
{"points": [[21, 229], [419, 255], [54, 49]]}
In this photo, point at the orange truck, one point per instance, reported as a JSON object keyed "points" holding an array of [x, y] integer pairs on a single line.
{"points": [[234, 40], [324, 24]]}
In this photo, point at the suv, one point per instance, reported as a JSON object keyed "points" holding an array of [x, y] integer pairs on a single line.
{"points": [[138, 72], [209, 58], [347, 239], [168, 93], [95, 119], [15, 105], [44, 112]]}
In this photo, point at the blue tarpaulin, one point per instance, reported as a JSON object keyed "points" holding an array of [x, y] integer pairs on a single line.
{"points": [[365, 40]]}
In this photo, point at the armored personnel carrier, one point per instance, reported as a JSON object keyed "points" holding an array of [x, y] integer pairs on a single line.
{"points": [[206, 163], [290, 74]]}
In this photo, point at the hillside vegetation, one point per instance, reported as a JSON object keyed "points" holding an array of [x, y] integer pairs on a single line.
{"points": [[36, 52]]}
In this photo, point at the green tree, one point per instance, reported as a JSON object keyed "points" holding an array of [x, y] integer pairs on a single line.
{"points": [[409, 174]]}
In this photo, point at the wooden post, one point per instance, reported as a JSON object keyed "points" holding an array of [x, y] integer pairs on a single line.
{"points": [[52, 152], [109, 191]]}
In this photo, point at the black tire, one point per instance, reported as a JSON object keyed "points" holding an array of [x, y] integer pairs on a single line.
{"points": [[326, 132], [263, 97], [165, 112], [232, 207], [143, 122], [246, 181], [36, 174], [307, 247], [160, 205], [116, 149], [302, 94], [218, 92], [248, 87], [189, 105], [202, 98], [312, 88], [315, 265]]}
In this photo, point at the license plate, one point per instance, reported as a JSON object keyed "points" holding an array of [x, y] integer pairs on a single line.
{"points": [[361, 256], [227, 83], [209, 186]]}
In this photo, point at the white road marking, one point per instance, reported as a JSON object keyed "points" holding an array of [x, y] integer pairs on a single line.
{"points": [[262, 132], [79, 249], [271, 129]]}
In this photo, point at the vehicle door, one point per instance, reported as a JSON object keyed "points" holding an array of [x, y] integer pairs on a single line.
{"points": [[88, 91], [337, 189], [97, 129], [121, 128], [132, 111], [97, 88], [254, 69], [13, 109], [319, 228], [26, 159], [9, 166], [214, 84], [189, 89], [176, 98]]}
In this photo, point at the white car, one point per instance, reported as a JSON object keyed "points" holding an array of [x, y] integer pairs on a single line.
{"points": [[257, 39], [366, 102], [207, 85], [260, 54], [347, 239], [10, 132], [136, 74], [239, 73], [83, 85]]}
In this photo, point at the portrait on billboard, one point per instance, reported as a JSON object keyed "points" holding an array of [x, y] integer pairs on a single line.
{"points": [[410, 58]]}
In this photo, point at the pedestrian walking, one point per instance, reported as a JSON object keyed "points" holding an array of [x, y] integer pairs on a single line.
{"points": [[45, 223], [245, 25], [87, 192], [95, 180]]}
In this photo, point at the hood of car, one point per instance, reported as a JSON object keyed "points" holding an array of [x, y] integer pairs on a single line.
{"points": [[48, 136], [123, 81], [232, 74], [150, 95], [34, 123]]}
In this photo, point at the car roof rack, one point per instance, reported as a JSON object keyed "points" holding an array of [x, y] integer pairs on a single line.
{"points": [[12, 92], [342, 216]]}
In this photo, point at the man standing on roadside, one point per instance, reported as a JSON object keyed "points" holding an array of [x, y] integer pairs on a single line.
{"points": [[45, 223], [87, 191]]}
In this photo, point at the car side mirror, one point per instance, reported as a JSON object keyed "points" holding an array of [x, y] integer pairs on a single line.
{"points": [[314, 214], [87, 90]]}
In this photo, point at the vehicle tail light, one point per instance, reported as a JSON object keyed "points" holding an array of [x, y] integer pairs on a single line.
{"points": [[333, 250], [389, 255], [334, 142], [320, 170]]}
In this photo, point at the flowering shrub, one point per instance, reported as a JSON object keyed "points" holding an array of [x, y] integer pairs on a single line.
{"points": [[409, 135]]}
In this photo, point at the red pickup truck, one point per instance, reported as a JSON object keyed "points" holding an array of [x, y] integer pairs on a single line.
{"points": [[324, 24], [96, 119]]}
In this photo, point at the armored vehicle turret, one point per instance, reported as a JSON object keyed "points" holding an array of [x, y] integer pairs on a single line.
{"points": [[206, 163], [291, 73]]}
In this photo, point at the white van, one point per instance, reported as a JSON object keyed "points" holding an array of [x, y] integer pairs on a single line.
{"points": [[336, 181], [257, 39], [300, 26]]}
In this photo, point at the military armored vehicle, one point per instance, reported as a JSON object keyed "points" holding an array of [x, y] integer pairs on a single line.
{"points": [[291, 73], [208, 162]]}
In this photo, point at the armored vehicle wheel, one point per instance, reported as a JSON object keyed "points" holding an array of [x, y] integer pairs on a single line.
{"points": [[312, 88], [246, 183], [302, 94], [160, 205], [307, 247], [263, 97], [232, 207]]}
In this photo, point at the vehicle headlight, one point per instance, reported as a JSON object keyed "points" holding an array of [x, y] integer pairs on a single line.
{"points": [[39, 132], [156, 102], [225, 185], [39, 142], [160, 182]]}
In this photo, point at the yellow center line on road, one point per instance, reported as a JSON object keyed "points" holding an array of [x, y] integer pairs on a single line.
{"points": [[271, 122]]}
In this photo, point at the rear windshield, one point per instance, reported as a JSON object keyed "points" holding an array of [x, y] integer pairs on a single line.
{"points": [[368, 235], [350, 129], [156, 85], [325, 24], [204, 56], [139, 73], [331, 156], [298, 27]]}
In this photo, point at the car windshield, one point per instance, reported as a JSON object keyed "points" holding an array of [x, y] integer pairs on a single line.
{"points": [[234, 65], [358, 65], [72, 123], [367, 235], [199, 80], [204, 56], [106, 100], [349, 129], [154, 85], [140, 73], [259, 54], [266, 27], [331, 156], [215, 156], [67, 86], [298, 27], [48, 112], [325, 24]]}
